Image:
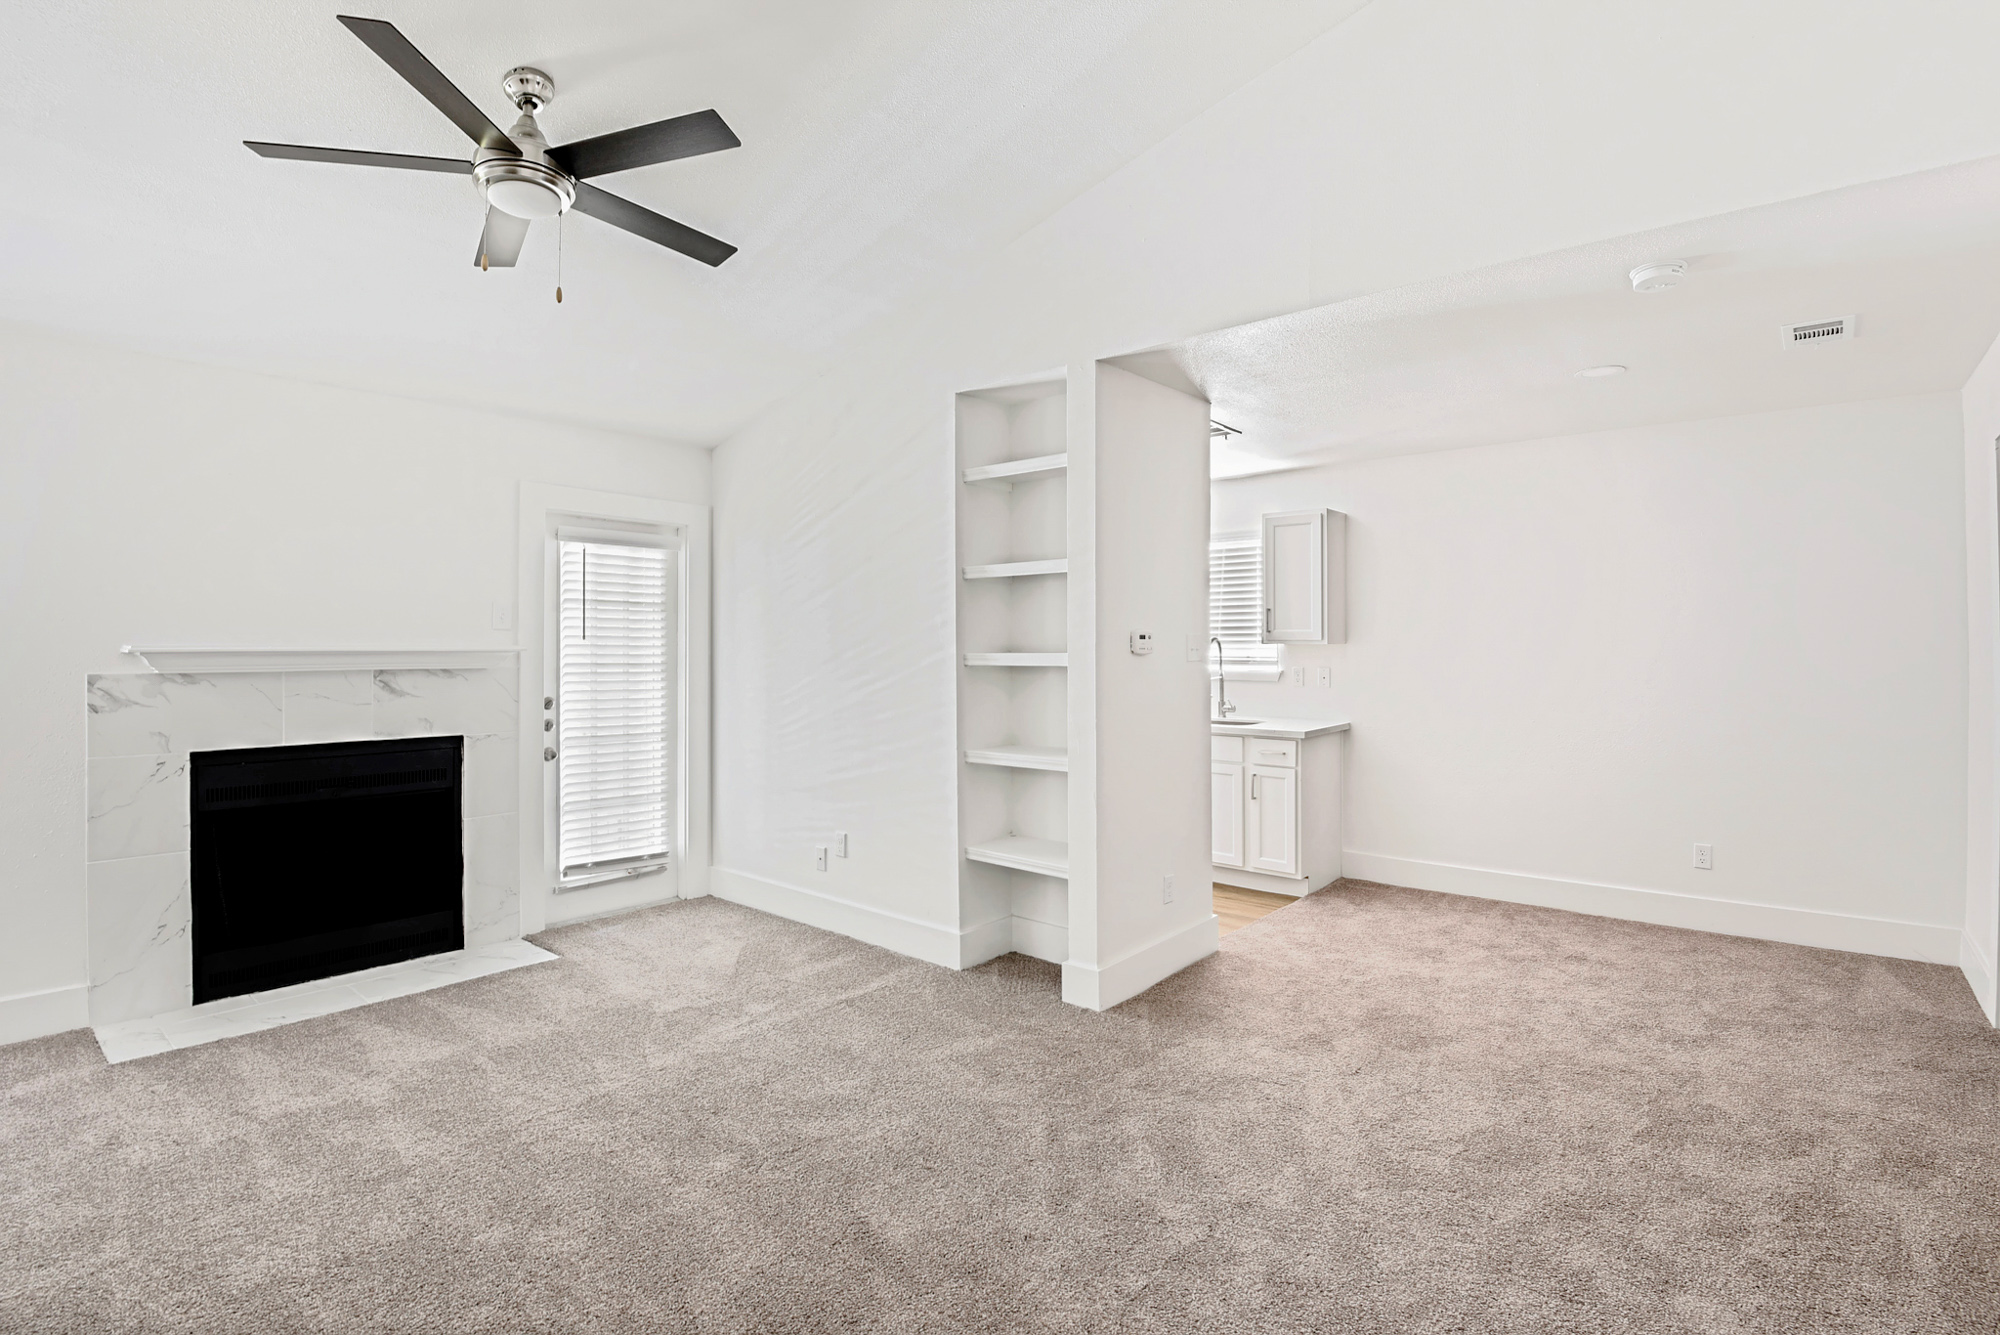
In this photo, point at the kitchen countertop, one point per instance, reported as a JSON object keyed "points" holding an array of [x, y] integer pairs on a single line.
{"points": [[1297, 729]]}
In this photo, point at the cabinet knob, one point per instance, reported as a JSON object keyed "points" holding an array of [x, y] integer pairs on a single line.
{"points": [[548, 753]]}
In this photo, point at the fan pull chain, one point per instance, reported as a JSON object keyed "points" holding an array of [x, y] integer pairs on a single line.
{"points": [[559, 230]]}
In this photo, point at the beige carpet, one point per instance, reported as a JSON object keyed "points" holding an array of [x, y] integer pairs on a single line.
{"points": [[1378, 1110]]}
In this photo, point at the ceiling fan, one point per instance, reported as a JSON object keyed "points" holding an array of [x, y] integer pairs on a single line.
{"points": [[517, 173]]}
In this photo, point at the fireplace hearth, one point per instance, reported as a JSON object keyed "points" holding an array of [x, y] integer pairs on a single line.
{"points": [[311, 861]]}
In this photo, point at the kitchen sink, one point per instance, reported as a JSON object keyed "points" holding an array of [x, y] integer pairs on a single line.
{"points": [[1234, 722]]}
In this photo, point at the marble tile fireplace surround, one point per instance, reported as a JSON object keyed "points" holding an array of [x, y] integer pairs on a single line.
{"points": [[142, 727]]}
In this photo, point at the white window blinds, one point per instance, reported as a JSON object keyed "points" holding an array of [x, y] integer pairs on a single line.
{"points": [[1236, 601], [613, 711]]}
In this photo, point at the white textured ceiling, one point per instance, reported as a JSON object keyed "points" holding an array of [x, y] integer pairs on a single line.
{"points": [[886, 142], [1492, 355]]}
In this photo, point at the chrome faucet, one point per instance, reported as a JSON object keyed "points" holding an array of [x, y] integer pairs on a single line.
{"points": [[1223, 709]]}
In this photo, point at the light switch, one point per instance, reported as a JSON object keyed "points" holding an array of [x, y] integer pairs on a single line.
{"points": [[503, 616]]}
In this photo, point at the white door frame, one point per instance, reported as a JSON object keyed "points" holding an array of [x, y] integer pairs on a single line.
{"points": [[543, 505]]}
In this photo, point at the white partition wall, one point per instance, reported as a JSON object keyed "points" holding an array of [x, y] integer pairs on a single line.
{"points": [[1082, 519], [1139, 902]]}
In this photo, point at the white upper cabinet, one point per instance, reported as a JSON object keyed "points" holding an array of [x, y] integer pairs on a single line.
{"points": [[1305, 577]]}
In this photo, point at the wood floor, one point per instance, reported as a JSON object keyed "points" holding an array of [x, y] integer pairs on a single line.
{"points": [[1236, 907]]}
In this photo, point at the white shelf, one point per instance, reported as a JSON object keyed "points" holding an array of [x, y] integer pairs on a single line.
{"points": [[1004, 475], [1020, 757], [1017, 660], [1037, 855], [1010, 569]]}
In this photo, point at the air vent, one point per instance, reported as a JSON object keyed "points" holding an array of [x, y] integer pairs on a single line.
{"points": [[1837, 330]]}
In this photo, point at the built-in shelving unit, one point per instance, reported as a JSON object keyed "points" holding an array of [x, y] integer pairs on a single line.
{"points": [[1016, 569], [1012, 614], [1017, 660], [1020, 757], [1044, 857]]}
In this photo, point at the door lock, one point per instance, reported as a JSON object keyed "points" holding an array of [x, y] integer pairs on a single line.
{"points": [[548, 753]]}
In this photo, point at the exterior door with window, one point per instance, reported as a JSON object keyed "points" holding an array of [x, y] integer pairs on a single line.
{"points": [[615, 706]]}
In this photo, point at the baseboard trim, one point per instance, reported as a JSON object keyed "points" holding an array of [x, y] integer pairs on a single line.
{"points": [[878, 927], [1979, 972], [987, 941], [1257, 880], [1931, 943], [1100, 987], [39, 1014], [1040, 940]]}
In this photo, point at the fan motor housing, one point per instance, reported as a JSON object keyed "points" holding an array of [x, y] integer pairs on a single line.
{"points": [[523, 184]]}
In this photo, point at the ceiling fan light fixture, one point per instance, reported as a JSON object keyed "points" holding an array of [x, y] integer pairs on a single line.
{"points": [[519, 176], [523, 187], [524, 199]]}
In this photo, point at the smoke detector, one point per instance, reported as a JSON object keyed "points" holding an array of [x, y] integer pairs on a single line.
{"points": [[1659, 276], [1836, 330]]}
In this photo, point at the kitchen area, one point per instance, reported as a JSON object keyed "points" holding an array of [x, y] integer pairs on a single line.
{"points": [[1275, 778]]}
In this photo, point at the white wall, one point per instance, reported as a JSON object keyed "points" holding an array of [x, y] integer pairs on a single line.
{"points": [[1139, 786], [1419, 139], [1570, 660], [149, 501], [1981, 960]]}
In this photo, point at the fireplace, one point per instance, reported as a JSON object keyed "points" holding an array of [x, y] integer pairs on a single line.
{"points": [[310, 861]]}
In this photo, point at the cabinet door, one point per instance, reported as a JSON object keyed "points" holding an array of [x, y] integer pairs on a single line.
{"points": [[1295, 578], [1272, 843], [1225, 817]]}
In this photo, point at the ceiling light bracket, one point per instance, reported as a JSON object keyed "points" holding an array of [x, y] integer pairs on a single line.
{"points": [[528, 88]]}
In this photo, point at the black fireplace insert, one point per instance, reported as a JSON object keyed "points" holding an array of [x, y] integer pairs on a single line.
{"points": [[311, 861]]}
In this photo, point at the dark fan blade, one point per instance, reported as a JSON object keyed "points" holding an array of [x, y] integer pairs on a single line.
{"points": [[607, 207], [358, 157], [500, 242], [394, 48], [687, 136]]}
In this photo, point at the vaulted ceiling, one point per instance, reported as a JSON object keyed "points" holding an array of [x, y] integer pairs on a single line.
{"points": [[885, 143]]}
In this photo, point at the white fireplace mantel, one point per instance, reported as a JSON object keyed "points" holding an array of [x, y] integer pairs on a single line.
{"points": [[196, 660]]}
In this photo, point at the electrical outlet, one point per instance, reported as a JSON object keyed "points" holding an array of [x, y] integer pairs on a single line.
{"points": [[503, 616], [1197, 649], [1326, 676], [1298, 676], [1166, 889], [819, 852], [840, 844], [1704, 857]]}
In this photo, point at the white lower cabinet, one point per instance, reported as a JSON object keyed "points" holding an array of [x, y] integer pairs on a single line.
{"points": [[1274, 815], [1225, 820], [1272, 819]]}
